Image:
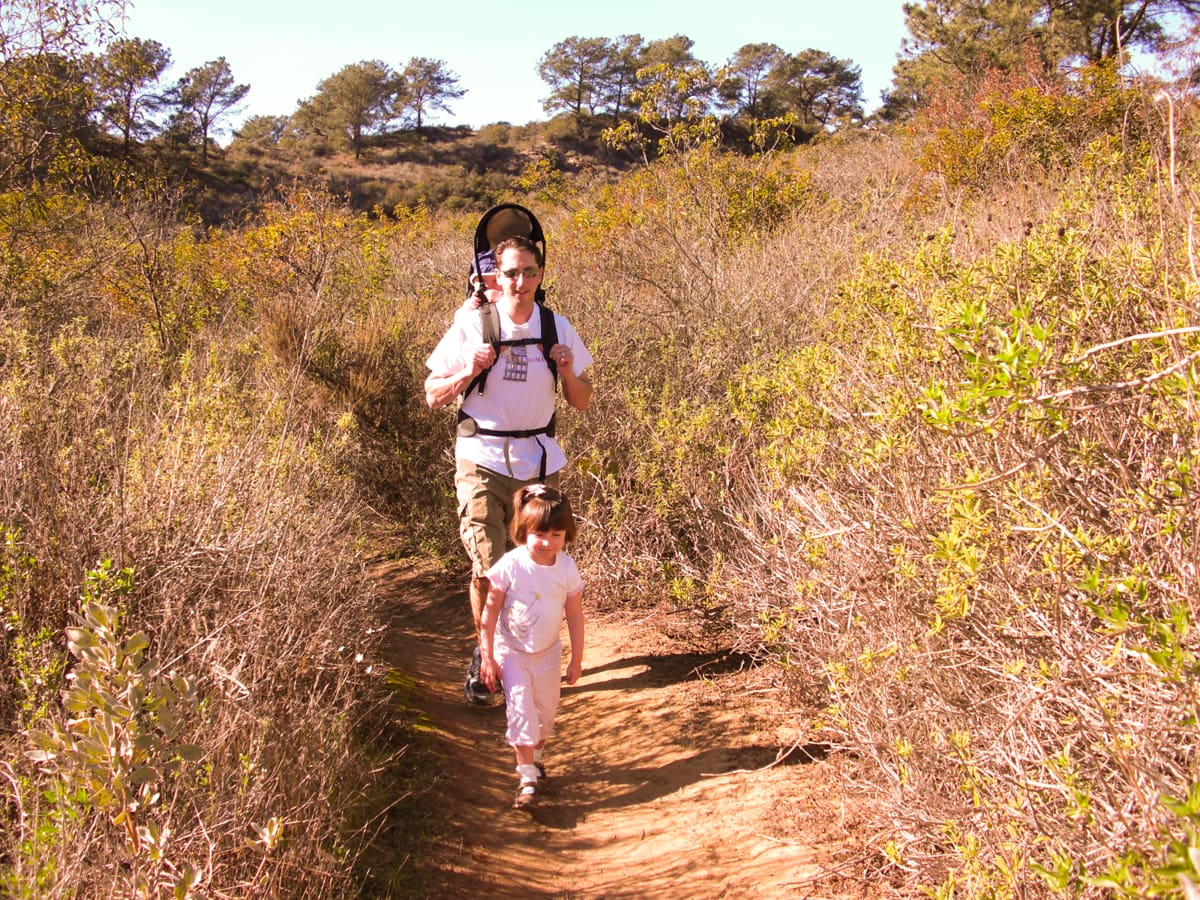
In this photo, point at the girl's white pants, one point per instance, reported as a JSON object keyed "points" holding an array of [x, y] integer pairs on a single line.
{"points": [[532, 685]]}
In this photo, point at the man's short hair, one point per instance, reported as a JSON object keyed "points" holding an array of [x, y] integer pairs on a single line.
{"points": [[520, 243]]}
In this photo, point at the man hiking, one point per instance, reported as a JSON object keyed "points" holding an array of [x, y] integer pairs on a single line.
{"points": [[505, 436]]}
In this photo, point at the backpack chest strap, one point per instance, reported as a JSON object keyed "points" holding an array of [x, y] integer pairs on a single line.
{"points": [[548, 339]]}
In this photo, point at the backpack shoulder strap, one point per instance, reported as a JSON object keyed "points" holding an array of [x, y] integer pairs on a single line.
{"points": [[489, 321], [549, 337]]}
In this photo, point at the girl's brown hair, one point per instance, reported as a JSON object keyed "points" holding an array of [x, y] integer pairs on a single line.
{"points": [[537, 507]]}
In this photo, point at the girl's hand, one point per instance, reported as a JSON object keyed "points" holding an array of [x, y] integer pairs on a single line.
{"points": [[492, 292], [574, 671], [489, 671]]}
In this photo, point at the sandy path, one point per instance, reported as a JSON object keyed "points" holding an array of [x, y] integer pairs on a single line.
{"points": [[662, 783]]}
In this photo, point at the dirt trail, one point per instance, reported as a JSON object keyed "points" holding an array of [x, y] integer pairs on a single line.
{"points": [[663, 782]]}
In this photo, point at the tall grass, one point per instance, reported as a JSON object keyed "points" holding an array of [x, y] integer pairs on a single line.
{"points": [[220, 471], [927, 444]]}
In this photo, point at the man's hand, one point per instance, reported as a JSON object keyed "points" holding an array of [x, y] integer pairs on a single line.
{"points": [[441, 389], [484, 357], [562, 357]]}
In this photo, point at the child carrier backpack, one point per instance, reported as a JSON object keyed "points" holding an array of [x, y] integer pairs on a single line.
{"points": [[497, 224]]}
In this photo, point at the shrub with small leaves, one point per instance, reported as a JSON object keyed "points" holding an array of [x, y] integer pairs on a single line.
{"points": [[122, 740]]}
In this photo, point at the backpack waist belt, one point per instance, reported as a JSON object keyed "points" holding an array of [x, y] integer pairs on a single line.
{"points": [[468, 427]]}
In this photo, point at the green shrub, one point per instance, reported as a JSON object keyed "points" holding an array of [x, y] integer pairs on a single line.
{"points": [[1027, 127], [121, 745]]}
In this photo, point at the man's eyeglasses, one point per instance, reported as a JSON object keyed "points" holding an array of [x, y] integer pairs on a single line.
{"points": [[529, 272]]}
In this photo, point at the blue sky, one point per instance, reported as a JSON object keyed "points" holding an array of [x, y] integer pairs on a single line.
{"points": [[284, 49]]}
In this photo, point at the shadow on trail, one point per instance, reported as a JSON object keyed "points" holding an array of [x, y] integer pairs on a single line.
{"points": [[663, 670], [574, 797], [423, 589], [430, 610]]}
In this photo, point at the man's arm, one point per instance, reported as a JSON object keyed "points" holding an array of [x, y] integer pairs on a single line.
{"points": [[577, 389], [442, 387]]}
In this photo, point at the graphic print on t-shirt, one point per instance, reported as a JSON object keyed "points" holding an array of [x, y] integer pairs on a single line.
{"points": [[521, 618], [516, 364]]}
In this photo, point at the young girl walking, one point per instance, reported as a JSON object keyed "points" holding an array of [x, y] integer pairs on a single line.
{"points": [[532, 588]]}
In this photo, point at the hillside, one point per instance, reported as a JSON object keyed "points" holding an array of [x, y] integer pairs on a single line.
{"points": [[451, 168]]}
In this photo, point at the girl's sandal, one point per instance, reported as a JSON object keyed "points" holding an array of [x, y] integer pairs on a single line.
{"points": [[526, 794]]}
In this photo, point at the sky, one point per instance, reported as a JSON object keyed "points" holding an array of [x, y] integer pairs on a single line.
{"points": [[284, 48]]}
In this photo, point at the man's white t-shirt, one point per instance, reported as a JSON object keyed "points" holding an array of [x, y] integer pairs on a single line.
{"points": [[519, 394], [532, 613]]}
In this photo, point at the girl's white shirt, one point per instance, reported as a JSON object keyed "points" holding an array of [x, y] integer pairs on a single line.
{"points": [[535, 599]]}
